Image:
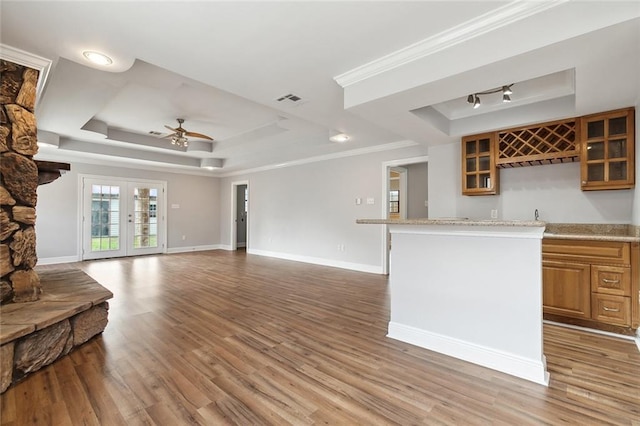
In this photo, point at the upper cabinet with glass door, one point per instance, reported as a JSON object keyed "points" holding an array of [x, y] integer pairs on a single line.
{"points": [[479, 173], [607, 150]]}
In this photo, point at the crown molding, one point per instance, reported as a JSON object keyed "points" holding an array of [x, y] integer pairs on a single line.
{"points": [[490, 21], [21, 57], [343, 154]]}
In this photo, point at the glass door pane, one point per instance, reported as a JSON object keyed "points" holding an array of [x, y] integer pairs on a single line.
{"points": [[102, 219], [144, 233]]}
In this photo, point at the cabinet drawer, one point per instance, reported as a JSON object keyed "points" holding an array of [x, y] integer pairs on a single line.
{"points": [[611, 309], [605, 252], [614, 280]]}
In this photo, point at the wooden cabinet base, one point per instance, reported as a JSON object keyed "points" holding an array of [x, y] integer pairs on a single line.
{"points": [[587, 323], [592, 283]]}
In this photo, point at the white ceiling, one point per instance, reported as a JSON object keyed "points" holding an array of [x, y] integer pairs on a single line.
{"points": [[386, 73]]}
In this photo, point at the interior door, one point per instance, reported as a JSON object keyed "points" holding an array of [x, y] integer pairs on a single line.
{"points": [[242, 198], [122, 218]]}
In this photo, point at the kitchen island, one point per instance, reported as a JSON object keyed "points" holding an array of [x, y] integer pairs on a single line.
{"points": [[469, 289]]}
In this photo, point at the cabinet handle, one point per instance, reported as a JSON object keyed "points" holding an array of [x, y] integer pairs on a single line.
{"points": [[610, 309], [606, 281]]}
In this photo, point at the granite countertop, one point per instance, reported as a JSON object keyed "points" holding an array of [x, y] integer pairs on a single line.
{"points": [[581, 231], [593, 231], [453, 221]]}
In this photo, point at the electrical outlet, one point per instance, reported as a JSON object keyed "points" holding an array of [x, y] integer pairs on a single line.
{"points": [[494, 214]]}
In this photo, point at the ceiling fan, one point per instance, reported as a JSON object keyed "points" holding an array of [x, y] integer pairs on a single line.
{"points": [[179, 135]]}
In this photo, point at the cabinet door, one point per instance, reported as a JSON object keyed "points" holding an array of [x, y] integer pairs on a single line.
{"points": [[479, 173], [566, 289], [607, 150]]}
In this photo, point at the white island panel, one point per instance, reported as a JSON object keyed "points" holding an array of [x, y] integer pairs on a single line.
{"points": [[474, 293]]}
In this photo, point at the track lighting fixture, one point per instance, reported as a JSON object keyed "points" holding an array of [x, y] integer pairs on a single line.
{"points": [[475, 98]]}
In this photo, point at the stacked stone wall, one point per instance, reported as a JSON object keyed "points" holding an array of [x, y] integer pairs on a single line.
{"points": [[18, 184]]}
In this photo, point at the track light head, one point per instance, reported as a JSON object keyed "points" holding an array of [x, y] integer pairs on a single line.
{"points": [[475, 98]]}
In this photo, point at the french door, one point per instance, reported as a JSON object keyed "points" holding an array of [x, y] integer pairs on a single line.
{"points": [[122, 218]]}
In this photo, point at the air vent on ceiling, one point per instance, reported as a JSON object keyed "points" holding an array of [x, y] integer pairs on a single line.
{"points": [[290, 97], [154, 133], [290, 100]]}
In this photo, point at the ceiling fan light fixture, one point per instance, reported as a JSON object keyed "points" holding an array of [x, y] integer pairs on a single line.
{"points": [[180, 141], [97, 57]]}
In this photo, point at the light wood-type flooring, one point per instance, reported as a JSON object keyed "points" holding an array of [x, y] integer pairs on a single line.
{"points": [[215, 338]]}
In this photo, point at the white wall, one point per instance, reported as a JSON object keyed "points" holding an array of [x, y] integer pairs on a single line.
{"points": [[57, 209], [552, 189], [444, 180], [308, 212]]}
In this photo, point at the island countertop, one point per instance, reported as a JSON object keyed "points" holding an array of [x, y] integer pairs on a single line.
{"points": [[567, 231], [453, 221]]}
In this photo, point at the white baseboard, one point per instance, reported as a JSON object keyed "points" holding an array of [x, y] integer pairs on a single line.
{"points": [[318, 261], [57, 260], [530, 369], [173, 250]]}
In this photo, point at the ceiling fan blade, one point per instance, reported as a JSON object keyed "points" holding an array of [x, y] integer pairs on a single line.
{"points": [[198, 135], [171, 128]]}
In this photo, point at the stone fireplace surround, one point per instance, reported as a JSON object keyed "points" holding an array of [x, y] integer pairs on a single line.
{"points": [[42, 316]]}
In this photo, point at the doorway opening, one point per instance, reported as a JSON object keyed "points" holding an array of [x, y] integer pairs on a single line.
{"points": [[405, 195], [240, 215]]}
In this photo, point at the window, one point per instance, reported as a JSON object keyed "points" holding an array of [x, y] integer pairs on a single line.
{"points": [[394, 201]]}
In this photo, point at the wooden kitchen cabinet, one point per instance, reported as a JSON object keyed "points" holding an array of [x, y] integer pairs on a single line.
{"points": [[596, 282], [566, 289], [479, 173], [607, 150]]}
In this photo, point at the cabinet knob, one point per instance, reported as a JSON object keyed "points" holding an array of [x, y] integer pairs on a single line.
{"points": [[610, 309]]}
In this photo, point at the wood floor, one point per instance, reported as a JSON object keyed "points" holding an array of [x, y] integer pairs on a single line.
{"points": [[219, 337]]}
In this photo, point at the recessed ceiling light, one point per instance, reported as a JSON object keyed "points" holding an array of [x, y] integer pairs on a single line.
{"points": [[340, 138], [97, 57]]}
